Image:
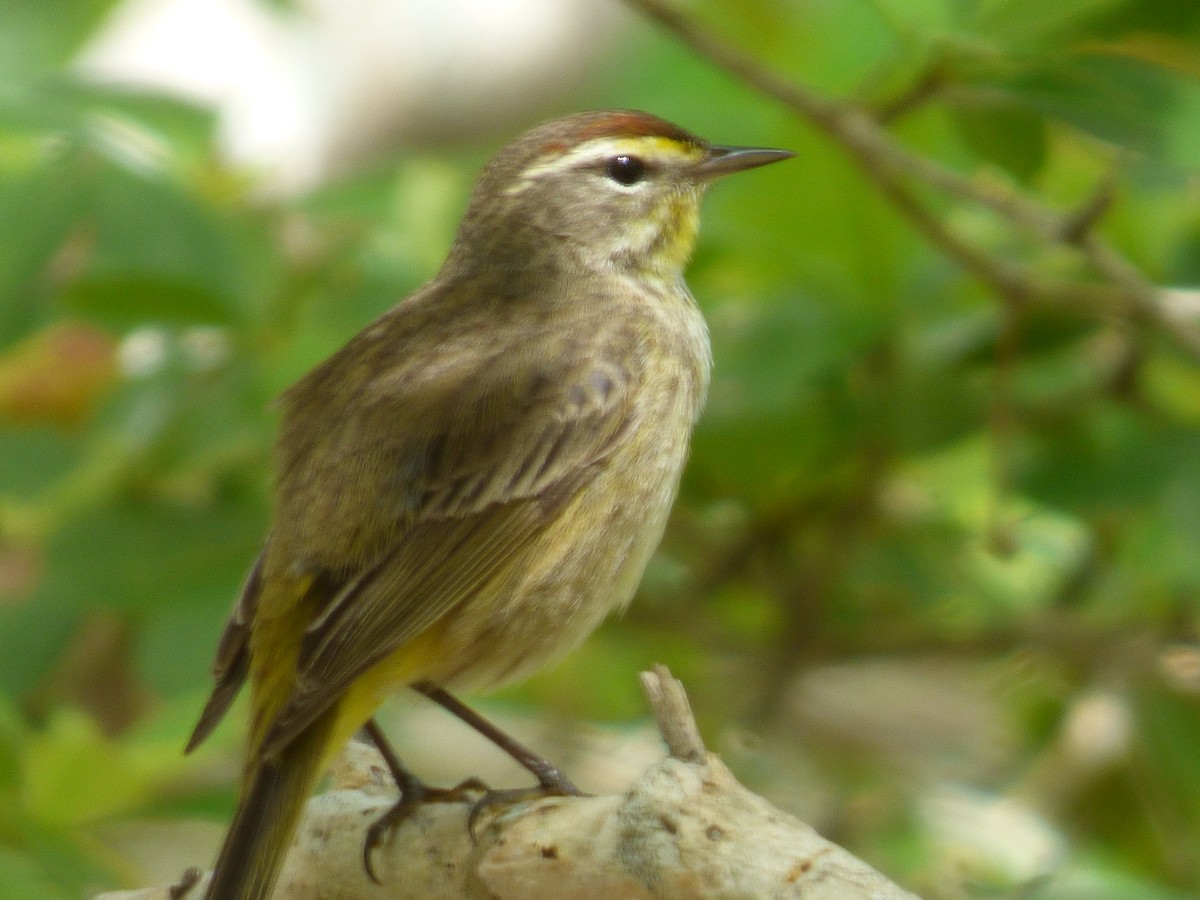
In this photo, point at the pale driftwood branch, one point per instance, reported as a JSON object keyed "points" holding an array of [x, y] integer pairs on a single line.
{"points": [[893, 169], [685, 830], [673, 713]]}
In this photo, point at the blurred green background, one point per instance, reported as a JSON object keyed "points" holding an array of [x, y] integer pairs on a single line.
{"points": [[933, 581]]}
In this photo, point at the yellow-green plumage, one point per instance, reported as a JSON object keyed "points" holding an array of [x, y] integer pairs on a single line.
{"points": [[472, 483]]}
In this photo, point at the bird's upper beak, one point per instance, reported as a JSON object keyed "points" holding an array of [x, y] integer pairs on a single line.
{"points": [[727, 160]]}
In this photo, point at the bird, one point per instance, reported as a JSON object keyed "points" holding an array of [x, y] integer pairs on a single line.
{"points": [[472, 483]]}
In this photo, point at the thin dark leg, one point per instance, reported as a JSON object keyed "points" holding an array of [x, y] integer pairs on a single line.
{"points": [[408, 783], [548, 776], [551, 781], [413, 792]]}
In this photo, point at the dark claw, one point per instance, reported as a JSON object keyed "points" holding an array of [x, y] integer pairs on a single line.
{"points": [[551, 781], [414, 794], [554, 785]]}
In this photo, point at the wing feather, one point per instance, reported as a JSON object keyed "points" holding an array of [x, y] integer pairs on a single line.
{"points": [[232, 662], [478, 490]]}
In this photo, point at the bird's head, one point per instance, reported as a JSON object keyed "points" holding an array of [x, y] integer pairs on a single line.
{"points": [[612, 189]]}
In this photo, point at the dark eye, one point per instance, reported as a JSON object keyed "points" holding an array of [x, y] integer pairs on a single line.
{"points": [[625, 170]]}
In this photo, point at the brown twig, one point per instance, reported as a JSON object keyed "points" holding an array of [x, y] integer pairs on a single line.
{"points": [[1079, 222], [927, 86], [887, 163]]}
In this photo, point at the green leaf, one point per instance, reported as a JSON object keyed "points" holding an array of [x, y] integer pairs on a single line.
{"points": [[1121, 100], [63, 760], [41, 205], [190, 553], [32, 460], [37, 38], [159, 255], [1109, 459], [132, 298], [1178, 19], [1005, 134], [33, 635], [1023, 24], [24, 876]]}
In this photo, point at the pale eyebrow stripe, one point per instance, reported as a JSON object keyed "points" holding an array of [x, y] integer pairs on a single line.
{"points": [[650, 149]]}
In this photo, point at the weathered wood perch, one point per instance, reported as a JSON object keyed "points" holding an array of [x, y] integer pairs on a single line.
{"points": [[685, 830]]}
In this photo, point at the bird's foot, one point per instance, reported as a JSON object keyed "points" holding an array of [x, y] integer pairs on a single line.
{"points": [[551, 783], [413, 794]]}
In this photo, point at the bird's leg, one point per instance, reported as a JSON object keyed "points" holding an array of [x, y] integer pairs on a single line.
{"points": [[413, 792], [551, 780]]}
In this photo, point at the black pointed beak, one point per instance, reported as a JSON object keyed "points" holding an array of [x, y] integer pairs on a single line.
{"points": [[722, 161]]}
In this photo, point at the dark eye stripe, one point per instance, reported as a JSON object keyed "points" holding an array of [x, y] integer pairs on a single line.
{"points": [[625, 169]]}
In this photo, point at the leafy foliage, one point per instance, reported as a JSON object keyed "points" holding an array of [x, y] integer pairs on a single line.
{"points": [[982, 519]]}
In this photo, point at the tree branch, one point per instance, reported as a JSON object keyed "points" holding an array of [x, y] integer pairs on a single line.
{"points": [[887, 164], [685, 830]]}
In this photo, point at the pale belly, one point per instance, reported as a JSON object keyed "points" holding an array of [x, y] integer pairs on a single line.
{"points": [[586, 566], [562, 588]]}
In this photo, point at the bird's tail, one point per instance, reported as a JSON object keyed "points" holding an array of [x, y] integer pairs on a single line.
{"points": [[273, 794]]}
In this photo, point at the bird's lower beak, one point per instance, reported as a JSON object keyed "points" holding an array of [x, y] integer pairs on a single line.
{"points": [[722, 161]]}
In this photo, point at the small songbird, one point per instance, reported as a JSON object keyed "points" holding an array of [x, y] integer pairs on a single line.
{"points": [[472, 483]]}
